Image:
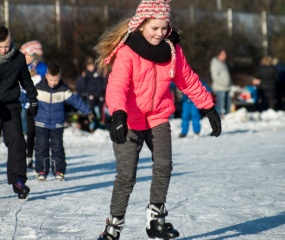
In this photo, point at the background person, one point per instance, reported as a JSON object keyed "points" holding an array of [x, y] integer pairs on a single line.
{"points": [[268, 76], [34, 58], [91, 87], [222, 82], [53, 93], [14, 72], [190, 113]]}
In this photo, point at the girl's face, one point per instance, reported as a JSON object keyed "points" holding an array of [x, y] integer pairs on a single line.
{"points": [[29, 58], [154, 30]]}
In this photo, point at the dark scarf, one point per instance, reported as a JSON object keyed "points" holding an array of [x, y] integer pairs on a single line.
{"points": [[5, 58], [157, 53]]}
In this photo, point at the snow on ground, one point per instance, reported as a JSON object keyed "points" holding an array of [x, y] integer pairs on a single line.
{"points": [[230, 187]]}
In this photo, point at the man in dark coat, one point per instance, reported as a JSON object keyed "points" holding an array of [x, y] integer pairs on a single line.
{"points": [[13, 73]]}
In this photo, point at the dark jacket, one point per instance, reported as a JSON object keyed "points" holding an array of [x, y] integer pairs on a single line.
{"points": [[12, 73], [51, 112], [91, 87], [268, 77]]}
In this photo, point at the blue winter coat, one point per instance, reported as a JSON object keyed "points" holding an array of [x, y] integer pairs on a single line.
{"points": [[51, 101], [41, 69]]}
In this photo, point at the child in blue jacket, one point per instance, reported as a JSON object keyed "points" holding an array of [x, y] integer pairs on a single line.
{"points": [[53, 93], [190, 113]]}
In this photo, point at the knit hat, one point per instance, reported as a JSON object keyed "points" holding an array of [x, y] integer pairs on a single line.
{"points": [[31, 48], [155, 9]]}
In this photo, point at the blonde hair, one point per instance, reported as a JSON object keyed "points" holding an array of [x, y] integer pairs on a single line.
{"points": [[107, 43]]}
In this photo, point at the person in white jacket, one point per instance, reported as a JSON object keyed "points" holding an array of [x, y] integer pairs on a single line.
{"points": [[221, 82]]}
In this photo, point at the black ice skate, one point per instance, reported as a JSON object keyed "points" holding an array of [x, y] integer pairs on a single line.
{"points": [[21, 189], [113, 229], [156, 228]]}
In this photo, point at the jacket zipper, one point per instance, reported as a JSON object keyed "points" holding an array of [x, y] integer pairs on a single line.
{"points": [[50, 107]]}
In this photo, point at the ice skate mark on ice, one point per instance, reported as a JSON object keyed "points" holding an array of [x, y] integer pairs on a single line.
{"points": [[16, 218], [49, 216]]}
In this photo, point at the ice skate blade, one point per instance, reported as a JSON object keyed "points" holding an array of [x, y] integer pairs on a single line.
{"points": [[161, 239], [23, 198]]}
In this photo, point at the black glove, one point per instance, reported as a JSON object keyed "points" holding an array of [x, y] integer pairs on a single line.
{"points": [[33, 108], [215, 121], [119, 127], [91, 117]]}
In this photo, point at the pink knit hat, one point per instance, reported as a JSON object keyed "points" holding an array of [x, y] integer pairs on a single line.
{"points": [[156, 9], [31, 48]]}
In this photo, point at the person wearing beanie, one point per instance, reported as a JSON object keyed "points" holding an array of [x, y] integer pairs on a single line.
{"points": [[14, 72], [141, 57], [34, 59]]}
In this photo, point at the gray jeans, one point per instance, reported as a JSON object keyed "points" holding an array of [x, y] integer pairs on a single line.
{"points": [[158, 140]]}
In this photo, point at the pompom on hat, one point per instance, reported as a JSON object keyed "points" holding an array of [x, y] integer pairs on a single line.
{"points": [[32, 47], [155, 9]]}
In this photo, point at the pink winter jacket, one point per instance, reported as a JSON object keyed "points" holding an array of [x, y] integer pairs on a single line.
{"points": [[142, 88]]}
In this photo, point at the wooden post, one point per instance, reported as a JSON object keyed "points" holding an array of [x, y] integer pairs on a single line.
{"points": [[230, 21], [192, 14], [6, 13], [74, 10], [57, 22], [106, 13], [219, 5], [264, 33]]}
